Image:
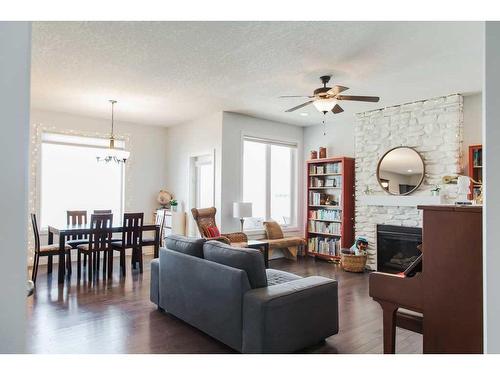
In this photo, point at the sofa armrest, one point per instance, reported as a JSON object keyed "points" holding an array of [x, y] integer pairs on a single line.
{"points": [[287, 317]]}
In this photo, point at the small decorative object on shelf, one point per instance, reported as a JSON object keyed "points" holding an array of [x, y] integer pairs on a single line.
{"points": [[322, 152], [330, 207], [173, 205], [164, 198], [314, 154], [435, 191], [463, 186]]}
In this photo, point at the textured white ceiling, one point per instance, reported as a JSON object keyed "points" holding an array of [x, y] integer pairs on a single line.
{"points": [[165, 73]]}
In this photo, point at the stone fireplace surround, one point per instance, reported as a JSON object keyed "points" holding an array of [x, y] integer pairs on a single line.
{"points": [[433, 127]]}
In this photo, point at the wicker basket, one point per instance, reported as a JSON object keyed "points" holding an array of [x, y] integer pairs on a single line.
{"points": [[353, 263]]}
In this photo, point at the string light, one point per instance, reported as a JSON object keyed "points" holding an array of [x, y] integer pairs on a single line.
{"points": [[35, 145]]}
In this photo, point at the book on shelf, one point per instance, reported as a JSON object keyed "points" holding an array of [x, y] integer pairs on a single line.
{"points": [[319, 199], [477, 157], [324, 246], [325, 214], [324, 227], [329, 168]]}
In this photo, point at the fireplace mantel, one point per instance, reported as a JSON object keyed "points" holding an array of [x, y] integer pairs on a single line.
{"points": [[400, 200]]}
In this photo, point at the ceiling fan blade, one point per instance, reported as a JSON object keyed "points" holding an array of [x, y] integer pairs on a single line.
{"points": [[335, 90], [373, 99], [299, 106], [337, 109], [295, 96]]}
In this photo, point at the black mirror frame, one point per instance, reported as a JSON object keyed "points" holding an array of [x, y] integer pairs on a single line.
{"points": [[421, 179]]}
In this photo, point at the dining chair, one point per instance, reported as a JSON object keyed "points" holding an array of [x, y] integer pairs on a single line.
{"points": [[160, 221], [43, 250], [78, 217], [131, 239], [99, 242]]}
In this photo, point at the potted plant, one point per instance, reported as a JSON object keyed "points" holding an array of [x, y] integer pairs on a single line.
{"points": [[173, 205], [435, 190]]}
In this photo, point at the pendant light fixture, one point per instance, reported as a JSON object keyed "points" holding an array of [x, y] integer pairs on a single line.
{"points": [[112, 153]]}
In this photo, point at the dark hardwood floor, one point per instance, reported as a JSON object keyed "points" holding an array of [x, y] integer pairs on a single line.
{"points": [[117, 317]]}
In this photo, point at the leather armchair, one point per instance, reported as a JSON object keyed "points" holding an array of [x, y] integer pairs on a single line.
{"points": [[205, 217]]}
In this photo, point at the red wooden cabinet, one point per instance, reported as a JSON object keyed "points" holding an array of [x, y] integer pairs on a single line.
{"points": [[330, 206]]}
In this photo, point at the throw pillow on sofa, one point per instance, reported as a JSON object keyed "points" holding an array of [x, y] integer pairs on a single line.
{"points": [[185, 245], [249, 260]]}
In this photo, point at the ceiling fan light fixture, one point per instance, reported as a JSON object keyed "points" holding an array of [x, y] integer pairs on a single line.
{"points": [[325, 105]]}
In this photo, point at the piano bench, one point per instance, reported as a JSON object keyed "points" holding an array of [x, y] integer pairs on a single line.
{"points": [[410, 320]]}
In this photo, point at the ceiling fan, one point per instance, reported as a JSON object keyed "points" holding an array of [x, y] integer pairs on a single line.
{"points": [[326, 99]]}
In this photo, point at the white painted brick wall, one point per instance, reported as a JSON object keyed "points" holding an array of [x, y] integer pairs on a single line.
{"points": [[433, 127]]}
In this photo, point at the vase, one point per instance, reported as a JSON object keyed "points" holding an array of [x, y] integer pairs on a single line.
{"points": [[322, 152]]}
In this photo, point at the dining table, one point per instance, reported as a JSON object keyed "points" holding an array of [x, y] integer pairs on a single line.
{"points": [[68, 230]]}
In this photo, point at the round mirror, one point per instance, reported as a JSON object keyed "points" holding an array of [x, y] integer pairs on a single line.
{"points": [[400, 171]]}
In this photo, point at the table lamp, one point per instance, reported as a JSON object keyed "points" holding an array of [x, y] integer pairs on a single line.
{"points": [[241, 210]]}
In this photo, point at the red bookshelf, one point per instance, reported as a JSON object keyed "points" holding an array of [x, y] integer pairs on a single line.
{"points": [[475, 168], [330, 206]]}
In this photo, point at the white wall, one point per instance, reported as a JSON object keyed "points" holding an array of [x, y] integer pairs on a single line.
{"points": [[234, 127], [491, 217], [339, 139], [199, 137], [15, 50], [145, 171]]}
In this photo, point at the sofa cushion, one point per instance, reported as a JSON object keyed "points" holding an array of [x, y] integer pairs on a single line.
{"points": [[275, 277], [186, 245], [249, 260], [273, 230]]}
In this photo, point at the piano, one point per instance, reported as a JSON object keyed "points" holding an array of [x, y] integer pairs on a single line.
{"points": [[439, 294]]}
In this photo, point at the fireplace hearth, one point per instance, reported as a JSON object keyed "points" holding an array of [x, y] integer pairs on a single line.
{"points": [[397, 247]]}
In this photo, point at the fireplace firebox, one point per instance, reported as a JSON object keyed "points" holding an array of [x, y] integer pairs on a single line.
{"points": [[397, 247]]}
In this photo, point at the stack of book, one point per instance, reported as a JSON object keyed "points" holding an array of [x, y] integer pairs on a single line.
{"points": [[317, 182], [333, 168], [325, 214], [319, 199], [335, 181], [324, 246], [477, 157], [322, 227]]}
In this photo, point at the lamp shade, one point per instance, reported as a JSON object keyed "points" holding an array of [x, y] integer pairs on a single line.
{"points": [[325, 105], [242, 209]]}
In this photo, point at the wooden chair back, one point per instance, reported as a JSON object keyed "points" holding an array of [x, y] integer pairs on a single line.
{"points": [[100, 212], [100, 235], [76, 218], [132, 229], [204, 217], [36, 234], [160, 221]]}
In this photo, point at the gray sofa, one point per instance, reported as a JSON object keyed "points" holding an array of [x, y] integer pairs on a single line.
{"points": [[227, 293]]}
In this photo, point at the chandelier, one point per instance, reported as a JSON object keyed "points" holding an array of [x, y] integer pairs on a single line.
{"points": [[111, 153]]}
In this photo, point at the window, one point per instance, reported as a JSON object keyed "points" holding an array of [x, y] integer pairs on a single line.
{"points": [[72, 179], [269, 180], [204, 186]]}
